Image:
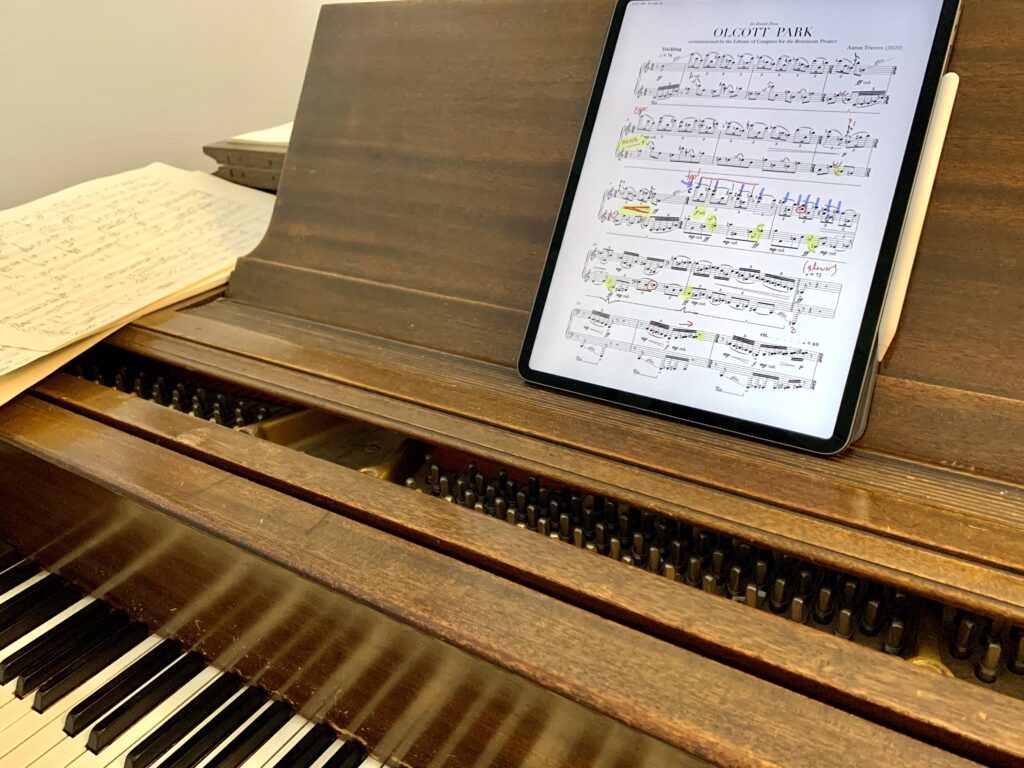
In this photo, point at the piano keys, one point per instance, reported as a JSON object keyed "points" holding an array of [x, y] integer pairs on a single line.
{"points": [[83, 685]]}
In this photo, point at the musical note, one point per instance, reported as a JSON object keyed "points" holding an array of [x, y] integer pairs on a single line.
{"points": [[709, 128], [715, 62], [689, 211], [704, 288], [757, 365], [785, 80]]}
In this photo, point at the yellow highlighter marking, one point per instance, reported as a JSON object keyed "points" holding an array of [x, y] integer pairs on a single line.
{"points": [[633, 142]]}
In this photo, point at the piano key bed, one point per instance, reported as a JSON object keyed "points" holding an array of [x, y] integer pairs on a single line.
{"points": [[85, 686]]}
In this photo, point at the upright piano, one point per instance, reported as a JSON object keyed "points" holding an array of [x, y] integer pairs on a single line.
{"points": [[331, 485]]}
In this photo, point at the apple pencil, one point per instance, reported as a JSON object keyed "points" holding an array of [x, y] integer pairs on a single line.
{"points": [[917, 209]]}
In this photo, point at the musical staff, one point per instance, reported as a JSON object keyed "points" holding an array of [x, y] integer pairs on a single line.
{"points": [[813, 228], [785, 80], [751, 364], [785, 166], [704, 288], [710, 128], [746, 62], [770, 93]]}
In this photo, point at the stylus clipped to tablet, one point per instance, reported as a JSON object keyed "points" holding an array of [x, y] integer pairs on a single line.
{"points": [[917, 210]]}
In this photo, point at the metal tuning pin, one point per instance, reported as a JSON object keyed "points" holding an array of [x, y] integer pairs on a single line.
{"points": [[965, 636], [871, 618], [895, 638], [987, 669], [654, 560], [824, 605], [844, 623], [694, 571]]}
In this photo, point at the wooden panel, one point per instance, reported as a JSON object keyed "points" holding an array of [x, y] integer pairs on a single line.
{"points": [[962, 326], [430, 150], [670, 694], [486, 331], [854, 677]]}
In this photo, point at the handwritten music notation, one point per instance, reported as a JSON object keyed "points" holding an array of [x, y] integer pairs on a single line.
{"points": [[789, 80], [747, 62], [734, 214], [746, 363], [704, 288], [78, 261], [710, 128]]}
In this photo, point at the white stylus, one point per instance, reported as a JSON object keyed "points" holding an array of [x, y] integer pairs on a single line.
{"points": [[917, 210]]}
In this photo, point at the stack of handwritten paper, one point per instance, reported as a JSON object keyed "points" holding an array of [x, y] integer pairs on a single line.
{"points": [[79, 264]]}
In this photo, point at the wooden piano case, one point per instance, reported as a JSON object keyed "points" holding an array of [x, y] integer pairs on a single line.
{"points": [[391, 292]]}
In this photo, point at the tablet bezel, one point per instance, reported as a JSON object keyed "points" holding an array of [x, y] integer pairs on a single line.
{"points": [[862, 362]]}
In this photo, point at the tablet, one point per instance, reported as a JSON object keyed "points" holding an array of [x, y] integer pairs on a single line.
{"points": [[728, 230]]}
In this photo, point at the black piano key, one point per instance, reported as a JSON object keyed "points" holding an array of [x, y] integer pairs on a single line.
{"points": [[16, 574], [135, 707], [32, 678], [18, 605], [213, 733], [90, 663], [39, 613], [310, 747], [252, 737], [181, 723], [53, 641], [89, 710], [8, 555], [350, 755]]}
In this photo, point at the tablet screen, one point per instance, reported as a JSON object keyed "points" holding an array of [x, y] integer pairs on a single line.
{"points": [[719, 246]]}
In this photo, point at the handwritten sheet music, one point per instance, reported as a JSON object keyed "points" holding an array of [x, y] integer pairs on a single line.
{"points": [[75, 263], [732, 205]]}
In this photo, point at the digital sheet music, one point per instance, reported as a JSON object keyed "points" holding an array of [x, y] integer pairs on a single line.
{"points": [[731, 208]]}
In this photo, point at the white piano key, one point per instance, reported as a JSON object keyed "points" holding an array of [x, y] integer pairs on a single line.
{"points": [[7, 691], [371, 762], [116, 752], [319, 762], [227, 739], [202, 724], [82, 758], [14, 709], [275, 761], [43, 733], [286, 734], [13, 591]]}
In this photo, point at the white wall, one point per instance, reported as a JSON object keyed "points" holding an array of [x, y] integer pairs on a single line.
{"points": [[93, 87]]}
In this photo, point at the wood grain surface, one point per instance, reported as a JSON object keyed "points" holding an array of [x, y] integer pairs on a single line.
{"points": [[674, 696], [951, 538], [852, 677]]}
